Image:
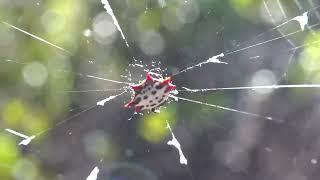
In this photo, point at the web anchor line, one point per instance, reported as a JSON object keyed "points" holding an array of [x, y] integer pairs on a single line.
{"points": [[37, 37], [76, 74], [229, 109], [89, 90], [184, 89]]}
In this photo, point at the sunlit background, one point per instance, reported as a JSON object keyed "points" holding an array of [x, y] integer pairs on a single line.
{"points": [[41, 89]]}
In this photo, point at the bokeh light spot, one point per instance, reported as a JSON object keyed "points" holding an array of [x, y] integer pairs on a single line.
{"points": [[152, 43], [311, 54], [104, 29], [87, 32], [35, 74], [97, 144], [14, 112], [154, 128], [53, 22], [263, 77], [188, 11]]}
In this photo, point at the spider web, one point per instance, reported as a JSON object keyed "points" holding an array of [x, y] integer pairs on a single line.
{"points": [[280, 31]]}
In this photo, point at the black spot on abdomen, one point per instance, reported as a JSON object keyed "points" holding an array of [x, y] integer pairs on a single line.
{"points": [[159, 87], [160, 100]]}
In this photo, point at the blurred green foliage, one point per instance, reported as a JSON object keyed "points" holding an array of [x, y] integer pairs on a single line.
{"points": [[9, 155]]}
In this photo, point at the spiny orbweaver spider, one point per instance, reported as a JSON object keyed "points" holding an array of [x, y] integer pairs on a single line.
{"points": [[151, 93]]}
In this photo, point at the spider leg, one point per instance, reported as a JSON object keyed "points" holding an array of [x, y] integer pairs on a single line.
{"points": [[136, 87], [138, 108]]}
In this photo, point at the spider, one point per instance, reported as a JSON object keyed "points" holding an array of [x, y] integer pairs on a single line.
{"points": [[151, 93]]}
